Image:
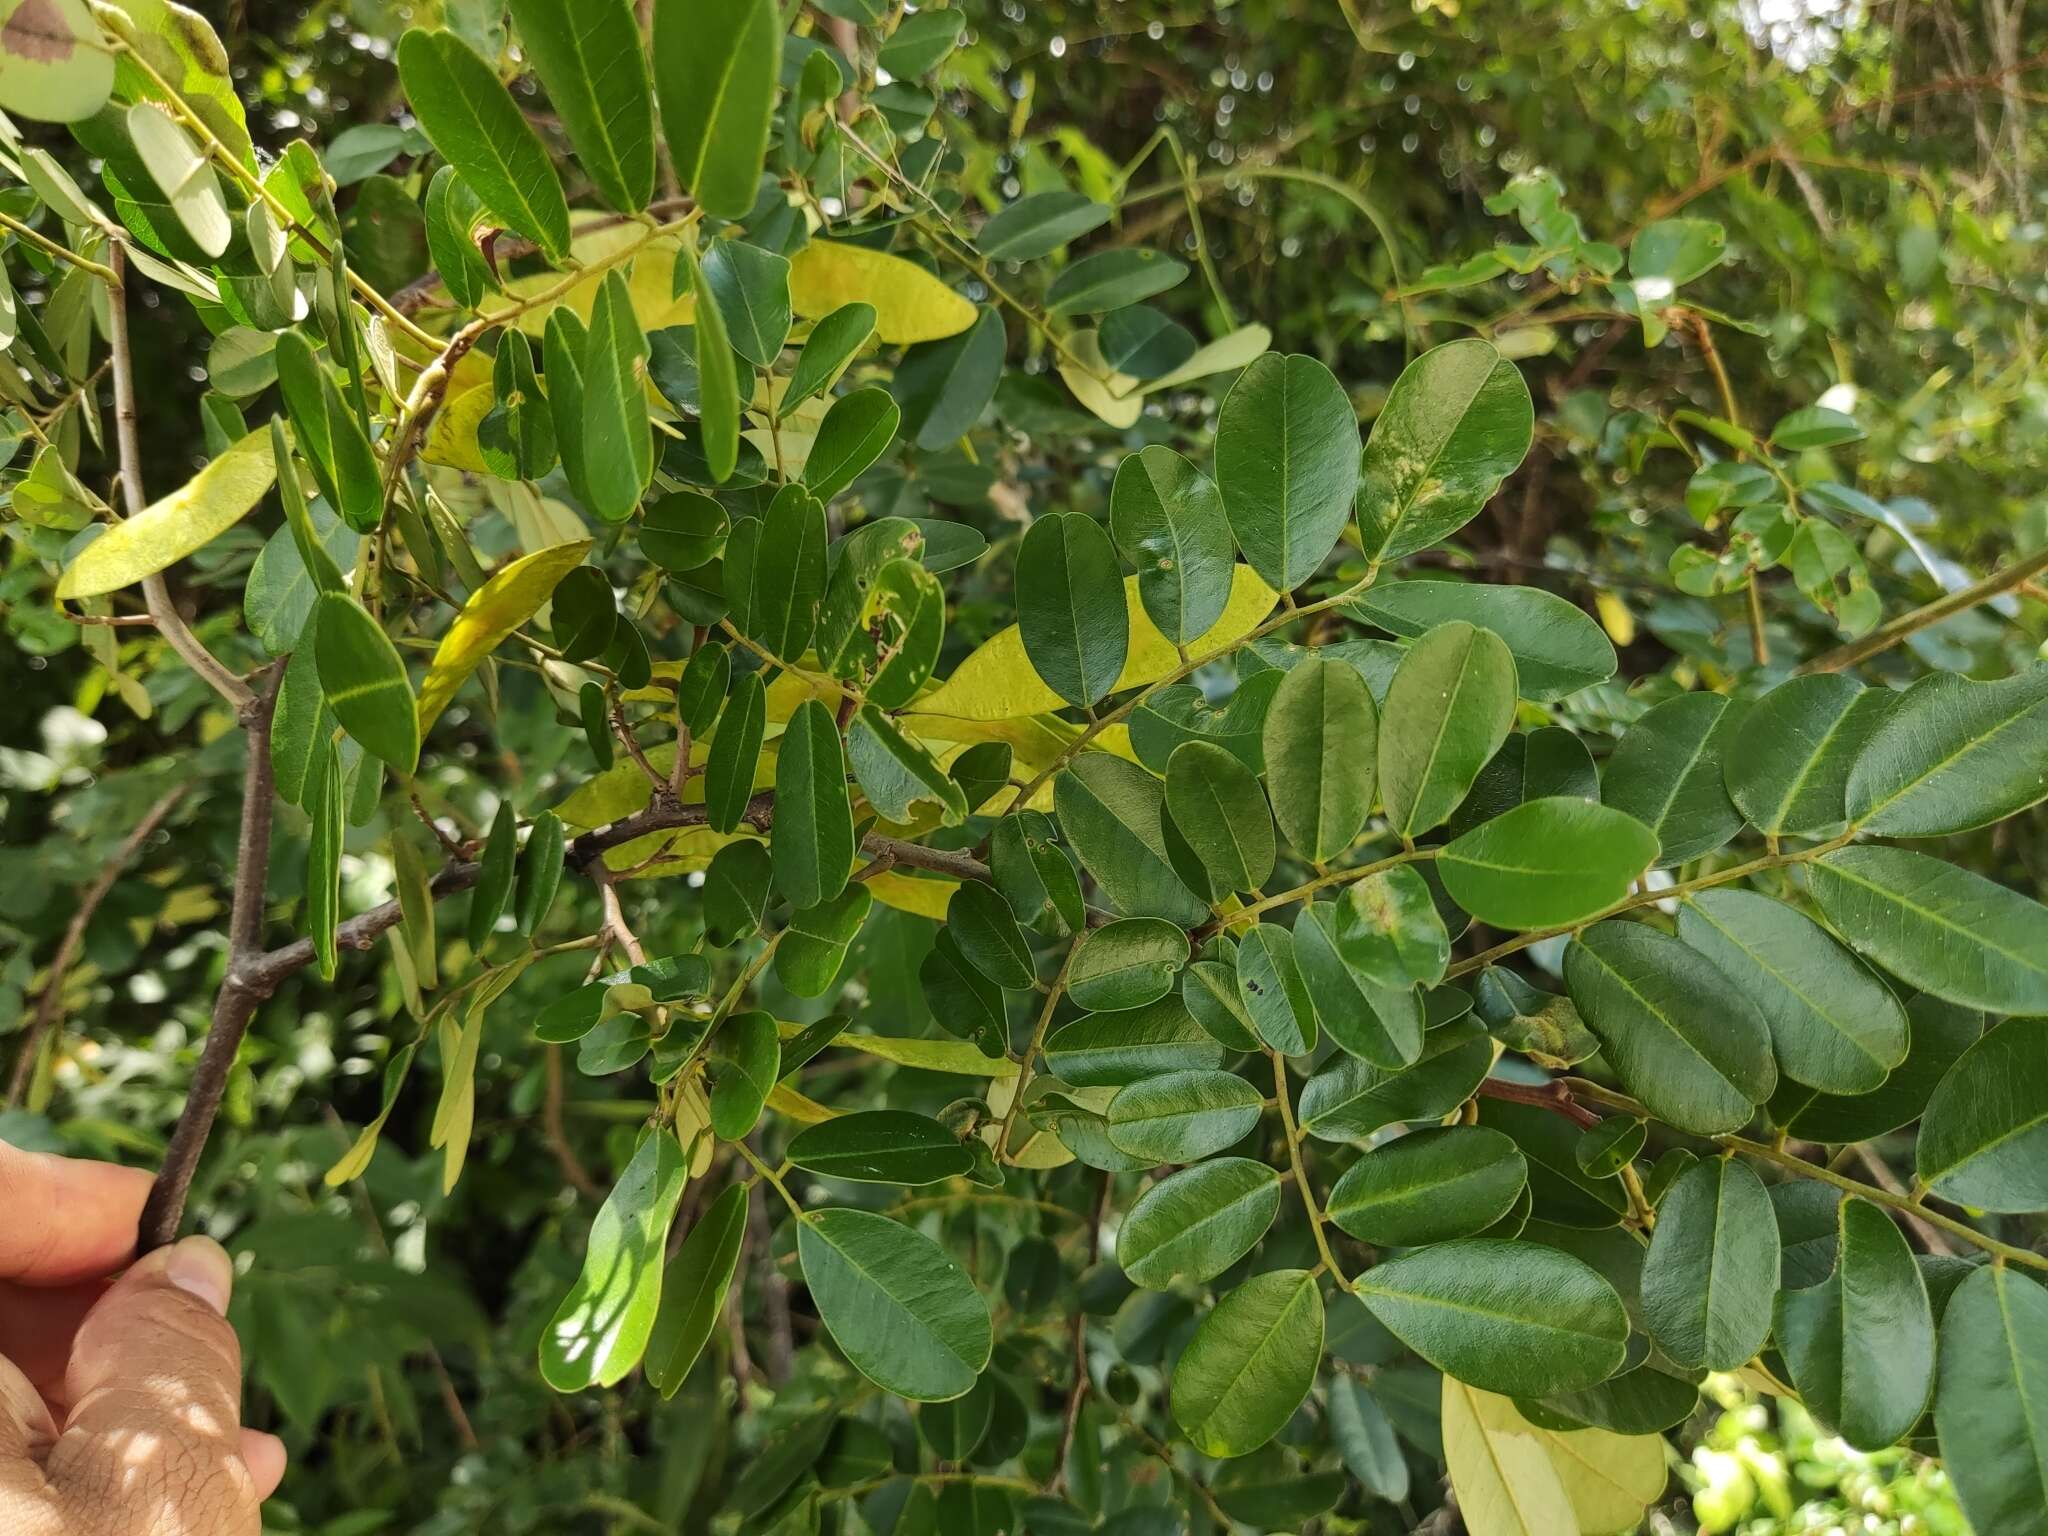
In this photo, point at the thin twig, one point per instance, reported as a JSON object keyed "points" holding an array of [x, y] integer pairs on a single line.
{"points": [[1885, 636]]}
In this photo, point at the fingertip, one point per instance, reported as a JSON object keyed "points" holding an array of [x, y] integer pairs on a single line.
{"points": [[201, 1267], [265, 1457], [68, 1219]]}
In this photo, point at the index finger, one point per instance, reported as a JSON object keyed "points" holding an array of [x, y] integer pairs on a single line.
{"points": [[63, 1220]]}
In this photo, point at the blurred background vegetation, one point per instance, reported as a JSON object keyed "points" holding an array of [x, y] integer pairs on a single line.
{"points": [[1877, 169]]}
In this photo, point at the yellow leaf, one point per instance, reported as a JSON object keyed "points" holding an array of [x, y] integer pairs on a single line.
{"points": [[1610, 1479], [1500, 1468], [924, 898], [451, 436], [785, 1100], [650, 279], [166, 531], [1042, 1149], [493, 611], [996, 682], [1615, 618], [956, 1056], [1112, 396], [910, 304]]}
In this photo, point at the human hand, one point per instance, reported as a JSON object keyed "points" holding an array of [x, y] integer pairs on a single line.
{"points": [[119, 1397]]}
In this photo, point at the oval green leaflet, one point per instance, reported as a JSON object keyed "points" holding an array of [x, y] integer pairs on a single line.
{"points": [[1450, 706], [898, 774], [363, 680], [740, 1070], [1943, 929], [832, 344], [1108, 1050], [473, 122], [1321, 745], [1712, 1270], [1275, 997], [1389, 932], [715, 70], [1287, 465], [1954, 754], [1350, 1098], [1994, 1364], [1182, 1117], [693, 1290], [1860, 1344], [1428, 1186], [1380, 1025], [1167, 519], [617, 434], [540, 873], [1833, 1024], [1788, 767], [1667, 772], [1547, 863], [750, 286], [1984, 1138], [1109, 810], [602, 1327], [986, 930], [1070, 606], [1557, 648], [814, 944], [855, 432], [813, 843], [775, 572], [736, 754], [1677, 1032], [718, 383], [1220, 811], [1506, 1317], [1250, 1363], [1456, 423], [897, 1304], [496, 870], [683, 530], [329, 435], [881, 1146], [943, 386], [1039, 224], [1126, 964]]}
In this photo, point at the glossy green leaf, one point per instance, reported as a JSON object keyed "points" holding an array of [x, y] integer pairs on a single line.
{"points": [[1860, 1344], [1833, 1024], [475, 125], [497, 870], [1984, 1139], [601, 1329], [775, 572], [1126, 964], [1558, 648], [1321, 745], [1547, 863], [895, 1302], [1167, 519], [718, 383], [1506, 1317], [881, 1146], [700, 691], [1218, 807], [1954, 754], [539, 875], [715, 69], [1109, 811], [750, 286], [1994, 1370], [832, 344], [583, 614], [740, 1069], [1250, 1363], [1942, 929], [590, 56], [694, 1288], [1287, 465], [1666, 772], [736, 755], [1376, 1024], [1365, 1439], [986, 930], [965, 1002], [1938, 1034], [1270, 987], [1039, 224], [1387, 929], [329, 435], [516, 438], [1108, 1050], [1182, 1117], [1456, 423], [1451, 704], [1034, 872], [898, 774], [1788, 766], [618, 437], [364, 682], [814, 945], [1611, 1146], [1677, 1032], [737, 891], [322, 797], [683, 531], [1349, 1099], [1111, 279], [855, 432], [813, 843], [1428, 1186], [1196, 1223], [943, 386], [1070, 606], [1712, 1269]]}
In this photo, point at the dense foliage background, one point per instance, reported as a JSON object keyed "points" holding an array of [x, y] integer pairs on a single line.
{"points": [[1364, 180]]}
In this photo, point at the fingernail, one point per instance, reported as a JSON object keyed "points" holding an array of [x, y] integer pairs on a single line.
{"points": [[202, 1266]]}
